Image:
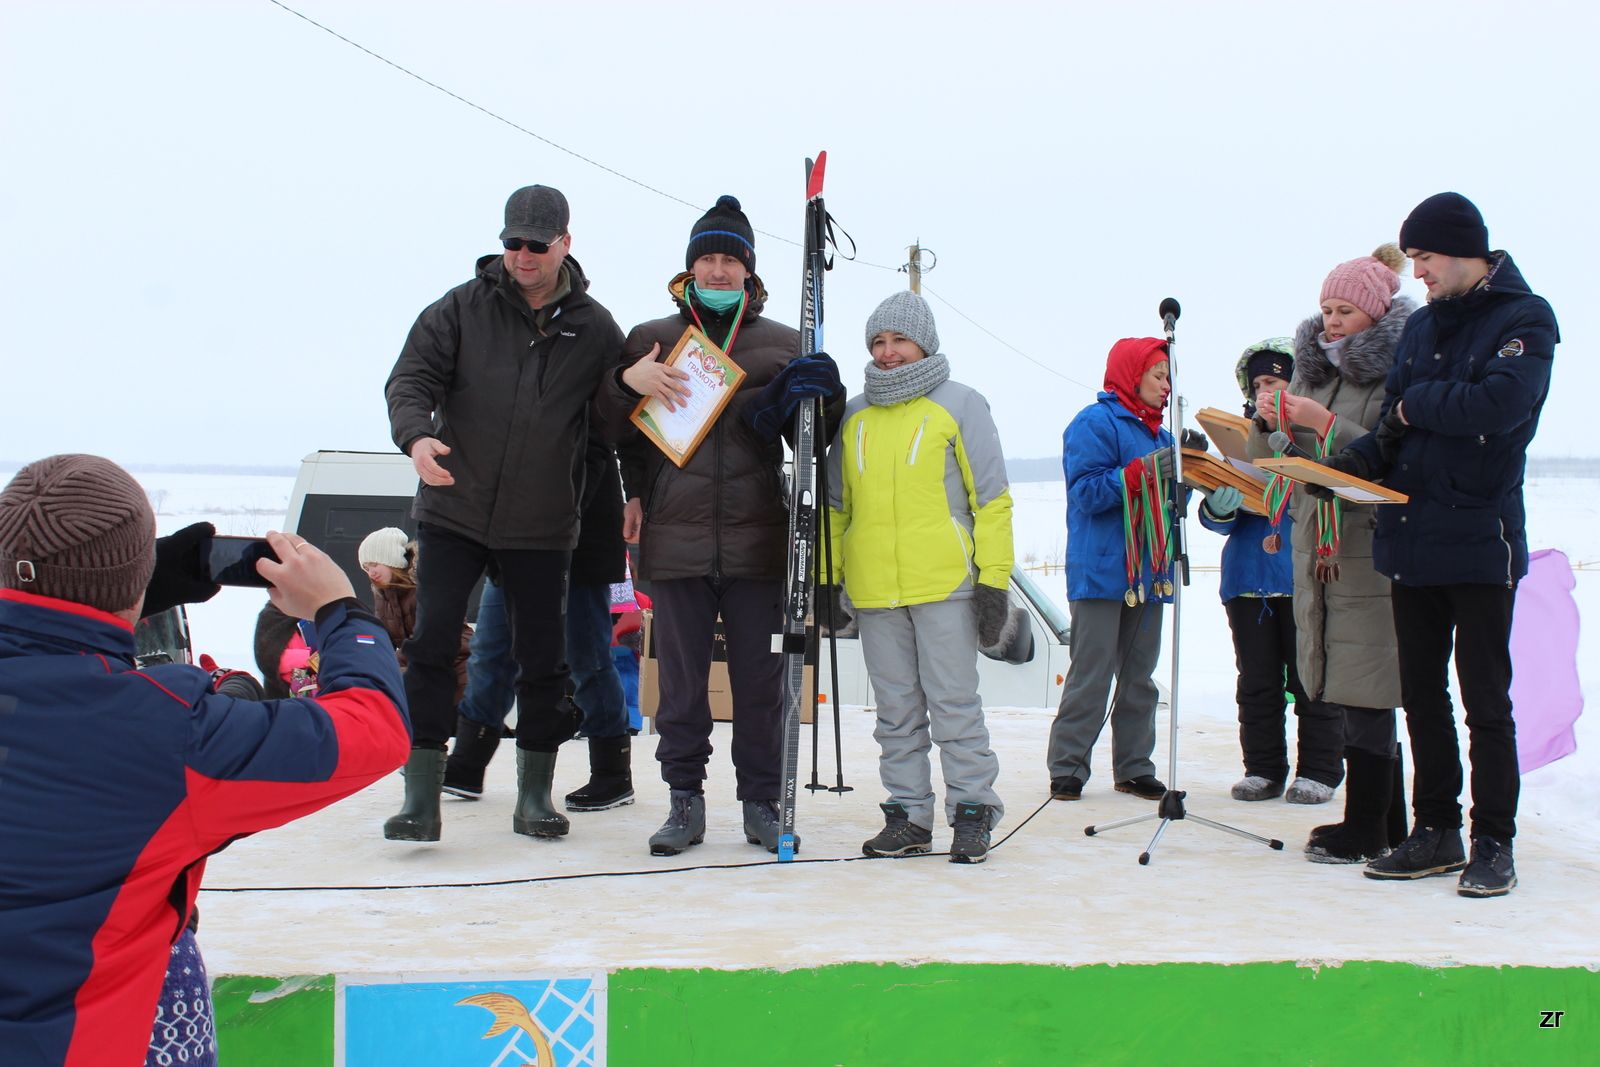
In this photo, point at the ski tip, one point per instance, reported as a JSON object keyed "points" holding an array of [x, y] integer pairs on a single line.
{"points": [[814, 173]]}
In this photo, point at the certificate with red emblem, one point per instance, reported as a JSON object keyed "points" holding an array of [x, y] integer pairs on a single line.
{"points": [[713, 379]]}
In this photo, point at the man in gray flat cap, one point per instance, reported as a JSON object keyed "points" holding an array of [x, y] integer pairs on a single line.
{"points": [[490, 398]]}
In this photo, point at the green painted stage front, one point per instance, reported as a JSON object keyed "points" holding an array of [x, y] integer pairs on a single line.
{"points": [[867, 1015], [887, 1015]]}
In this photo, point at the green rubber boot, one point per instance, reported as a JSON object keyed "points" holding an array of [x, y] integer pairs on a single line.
{"points": [[535, 815]]}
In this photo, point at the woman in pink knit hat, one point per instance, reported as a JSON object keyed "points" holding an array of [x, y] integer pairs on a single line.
{"points": [[1346, 644]]}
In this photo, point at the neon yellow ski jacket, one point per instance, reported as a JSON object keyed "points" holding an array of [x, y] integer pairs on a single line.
{"points": [[920, 505]]}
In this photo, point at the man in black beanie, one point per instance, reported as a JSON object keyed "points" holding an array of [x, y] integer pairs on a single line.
{"points": [[713, 533], [1470, 377]]}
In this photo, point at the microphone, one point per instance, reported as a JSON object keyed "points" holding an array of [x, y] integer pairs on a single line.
{"points": [[1279, 441], [1169, 312]]}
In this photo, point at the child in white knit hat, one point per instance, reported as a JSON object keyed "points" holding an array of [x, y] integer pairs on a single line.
{"points": [[389, 557]]}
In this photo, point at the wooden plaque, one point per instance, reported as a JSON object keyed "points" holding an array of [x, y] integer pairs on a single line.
{"points": [[1202, 470], [1347, 487], [1229, 432]]}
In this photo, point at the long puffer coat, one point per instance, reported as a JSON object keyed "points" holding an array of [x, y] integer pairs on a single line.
{"points": [[1346, 628]]}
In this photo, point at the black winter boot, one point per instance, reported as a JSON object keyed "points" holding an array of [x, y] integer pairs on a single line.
{"points": [[610, 782], [475, 747], [418, 818], [1399, 802], [535, 816], [1429, 850], [1398, 819], [1364, 835]]}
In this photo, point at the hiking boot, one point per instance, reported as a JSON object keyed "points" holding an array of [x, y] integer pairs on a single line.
{"points": [[1256, 787], [535, 815], [1491, 872], [475, 746], [685, 825], [1308, 791], [418, 818], [1145, 787], [971, 841], [762, 826], [1066, 787], [1429, 850], [899, 836], [610, 782], [1368, 794]]}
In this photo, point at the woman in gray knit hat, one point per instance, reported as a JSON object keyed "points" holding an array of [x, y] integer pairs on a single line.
{"points": [[921, 529]]}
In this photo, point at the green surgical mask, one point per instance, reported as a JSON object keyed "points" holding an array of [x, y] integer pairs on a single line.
{"points": [[719, 300]]}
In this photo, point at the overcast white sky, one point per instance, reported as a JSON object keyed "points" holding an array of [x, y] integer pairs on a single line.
{"points": [[219, 221]]}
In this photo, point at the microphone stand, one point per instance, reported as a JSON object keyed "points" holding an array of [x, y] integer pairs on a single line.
{"points": [[1170, 808]]}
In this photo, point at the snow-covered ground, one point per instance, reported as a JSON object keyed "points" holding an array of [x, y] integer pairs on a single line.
{"points": [[1049, 894]]}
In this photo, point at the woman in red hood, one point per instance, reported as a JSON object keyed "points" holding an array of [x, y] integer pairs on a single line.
{"points": [[1117, 458]]}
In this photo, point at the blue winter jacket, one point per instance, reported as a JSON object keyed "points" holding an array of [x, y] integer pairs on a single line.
{"points": [[1104, 438], [1473, 372], [1247, 568]]}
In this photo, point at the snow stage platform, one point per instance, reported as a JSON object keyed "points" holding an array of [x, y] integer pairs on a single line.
{"points": [[1060, 945]]}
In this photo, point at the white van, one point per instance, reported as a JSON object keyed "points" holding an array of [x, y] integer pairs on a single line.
{"points": [[340, 497]]}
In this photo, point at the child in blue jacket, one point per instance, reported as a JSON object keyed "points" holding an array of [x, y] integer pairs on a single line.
{"points": [[1257, 594]]}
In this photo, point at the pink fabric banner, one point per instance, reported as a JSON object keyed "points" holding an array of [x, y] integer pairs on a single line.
{"points": [[1546, 698]]}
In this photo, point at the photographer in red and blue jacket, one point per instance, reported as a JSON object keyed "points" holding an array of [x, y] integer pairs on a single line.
{"points": [[117, 783], [1470, 378]]}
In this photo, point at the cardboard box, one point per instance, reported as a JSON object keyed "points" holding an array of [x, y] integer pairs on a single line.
{"points": [[718, 691]]}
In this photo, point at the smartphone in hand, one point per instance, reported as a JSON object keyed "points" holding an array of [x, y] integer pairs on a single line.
{"points": [[233, 560]]}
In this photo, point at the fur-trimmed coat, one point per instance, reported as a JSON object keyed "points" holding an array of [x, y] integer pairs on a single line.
{"points": [[1346, 628]]}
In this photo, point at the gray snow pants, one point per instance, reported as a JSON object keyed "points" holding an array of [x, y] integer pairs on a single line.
{"points": [[923, 662], [1109, 641]]}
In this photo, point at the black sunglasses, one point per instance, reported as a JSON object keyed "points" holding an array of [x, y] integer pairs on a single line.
{"points": [[538, 248]]}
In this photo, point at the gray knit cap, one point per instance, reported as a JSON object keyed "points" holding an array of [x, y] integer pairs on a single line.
{"points": [[905, 313], [77, 528]]}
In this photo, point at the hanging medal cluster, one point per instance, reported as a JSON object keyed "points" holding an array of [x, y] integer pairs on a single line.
{"points": [[1329, 518], [1275, 500], [1146, 519]]}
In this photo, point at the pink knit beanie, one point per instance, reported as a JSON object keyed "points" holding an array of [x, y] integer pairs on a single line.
{"points": [[1368, 283]]}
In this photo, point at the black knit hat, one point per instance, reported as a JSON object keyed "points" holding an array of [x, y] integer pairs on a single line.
{"points": [[1271, 361], [723, 229], [1447, 224]]}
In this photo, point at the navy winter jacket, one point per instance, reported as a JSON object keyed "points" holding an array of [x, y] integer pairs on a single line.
{"points": [[1472, 372], [1097, 444], [115, 786], [1247, 568]]}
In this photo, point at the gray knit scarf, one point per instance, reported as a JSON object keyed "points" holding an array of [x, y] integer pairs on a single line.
{"points": [[886, 387]]}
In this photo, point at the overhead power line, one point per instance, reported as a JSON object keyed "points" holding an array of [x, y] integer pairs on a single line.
{"points": [[614, 172]]}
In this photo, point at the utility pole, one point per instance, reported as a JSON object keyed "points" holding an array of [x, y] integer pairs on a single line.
{"points": [[914, 266]]}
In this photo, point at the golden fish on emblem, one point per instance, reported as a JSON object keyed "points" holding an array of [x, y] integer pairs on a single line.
{"points": [[509, 1012]]}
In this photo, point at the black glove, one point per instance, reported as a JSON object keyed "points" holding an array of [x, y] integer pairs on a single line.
{"points": [[1348, 462], [802, 378], [1390, 430], [1196, 440], [183, 570], [994, 606], [831, 607]]}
